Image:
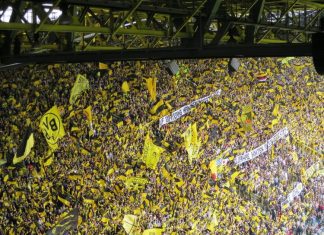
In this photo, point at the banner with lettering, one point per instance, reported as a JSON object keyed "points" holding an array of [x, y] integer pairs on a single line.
{"points": [[262, 148], [311, 170], [294, 193], [186, 109]]}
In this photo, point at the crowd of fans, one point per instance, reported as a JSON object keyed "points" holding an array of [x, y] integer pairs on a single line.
{"points": [[90, 167]]}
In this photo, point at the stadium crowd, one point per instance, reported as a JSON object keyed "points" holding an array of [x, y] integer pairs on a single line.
{"points": [[89, 169]]}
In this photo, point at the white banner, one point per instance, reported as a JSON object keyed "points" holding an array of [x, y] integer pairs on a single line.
{"points": [[261, 149], [185, 109], [294, 193], [311, 170]]}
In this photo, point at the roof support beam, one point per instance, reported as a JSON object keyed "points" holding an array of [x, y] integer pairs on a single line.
{"points": [[188, 19], [211, 9], [131, 31], [255, 16], [126, 17], [278, 21], [222, 31], [45, 19], [310, 23], [224, 51]]}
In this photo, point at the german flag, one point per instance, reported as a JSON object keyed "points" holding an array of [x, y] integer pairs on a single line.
{"points": [[262, 77]]}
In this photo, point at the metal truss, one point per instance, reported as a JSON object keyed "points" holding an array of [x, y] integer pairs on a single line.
{"points": [[35, 26]]}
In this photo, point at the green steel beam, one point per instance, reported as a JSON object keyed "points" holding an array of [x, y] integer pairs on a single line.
{"points": [[221, 32], [213, 12], [188, 19], [278, 21], [131, 31], [255, 16], [285, 28], [308, 25], [85, 29], [224, 29], [39, 27], [248, 9], [126, 17]]}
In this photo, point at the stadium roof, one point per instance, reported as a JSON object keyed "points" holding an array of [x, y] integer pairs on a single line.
{"points": [[142, 29]]}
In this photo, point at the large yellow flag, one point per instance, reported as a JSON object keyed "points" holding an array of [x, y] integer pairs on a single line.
{"points": [[81, 84], [151, 153], [191, 142], [27, 148], [247, 117], [52, 127], [151, 86], [129, 224]]}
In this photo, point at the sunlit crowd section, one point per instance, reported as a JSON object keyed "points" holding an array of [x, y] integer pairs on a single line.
{"points": [[130, 148]]}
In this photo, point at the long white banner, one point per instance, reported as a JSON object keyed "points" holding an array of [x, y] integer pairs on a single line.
{"points": [[185, 109], [294, 193], [262, 148]]}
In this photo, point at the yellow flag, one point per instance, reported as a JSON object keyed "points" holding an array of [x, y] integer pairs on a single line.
{"points": [[275, 110], [103, 66], [75, 177], [5, 179], [48, 161], [151, 86], [272, 153], [89, 201], [29, 144], [153, 231], [87, 112], [52, 127], [156, 106], [247, 117], [81, 84], [191, 142], [125, 87], [151, 153], [233, 176], [274, 122], [135, 182], [166, 174], [64, 201], [129, 224]]}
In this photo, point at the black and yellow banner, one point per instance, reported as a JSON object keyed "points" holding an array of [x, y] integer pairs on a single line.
{"points": [[68, 223]]}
